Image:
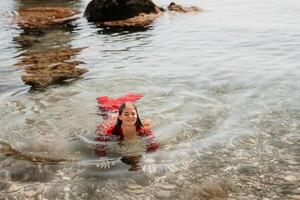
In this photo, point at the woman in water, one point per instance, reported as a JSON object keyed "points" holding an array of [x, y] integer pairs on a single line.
{"points": [[128, 127]]}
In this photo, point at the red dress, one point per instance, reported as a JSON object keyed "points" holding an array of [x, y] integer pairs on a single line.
{"points": [[114, 133]]}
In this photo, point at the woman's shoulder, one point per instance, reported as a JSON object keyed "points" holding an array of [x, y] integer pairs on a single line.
{"points": [[145, 131]]}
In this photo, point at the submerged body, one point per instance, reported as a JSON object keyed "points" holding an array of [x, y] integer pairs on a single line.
{"points": [[116, 134]]}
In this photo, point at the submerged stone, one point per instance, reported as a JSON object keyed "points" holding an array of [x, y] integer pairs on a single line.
{"points": [[14, 188], [211, 189], [21, 154], [290, 178], [166, 186], [45, 17], [163, 194]]}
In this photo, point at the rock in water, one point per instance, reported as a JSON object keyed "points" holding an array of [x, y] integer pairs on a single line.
{"points": [[45, 17], [115, 10], [183, 9]]}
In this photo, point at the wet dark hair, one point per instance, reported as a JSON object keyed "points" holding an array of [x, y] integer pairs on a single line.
{"points": [[138, 122], [172, 4]]}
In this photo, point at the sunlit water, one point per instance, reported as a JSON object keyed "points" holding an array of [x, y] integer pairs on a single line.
{"points": [[222, 88]]}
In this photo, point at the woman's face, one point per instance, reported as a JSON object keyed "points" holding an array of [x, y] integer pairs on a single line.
{"points": [[128, 116]]}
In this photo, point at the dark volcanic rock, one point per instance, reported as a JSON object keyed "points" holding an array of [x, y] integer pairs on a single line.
{"points": [[115, 10]]}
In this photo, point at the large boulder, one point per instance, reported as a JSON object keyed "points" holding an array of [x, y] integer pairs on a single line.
{"points": [[118, 10]]}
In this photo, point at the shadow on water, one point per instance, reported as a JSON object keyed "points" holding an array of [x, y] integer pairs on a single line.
{"points": [[42, 162], [121, 30], [44, 38]]}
